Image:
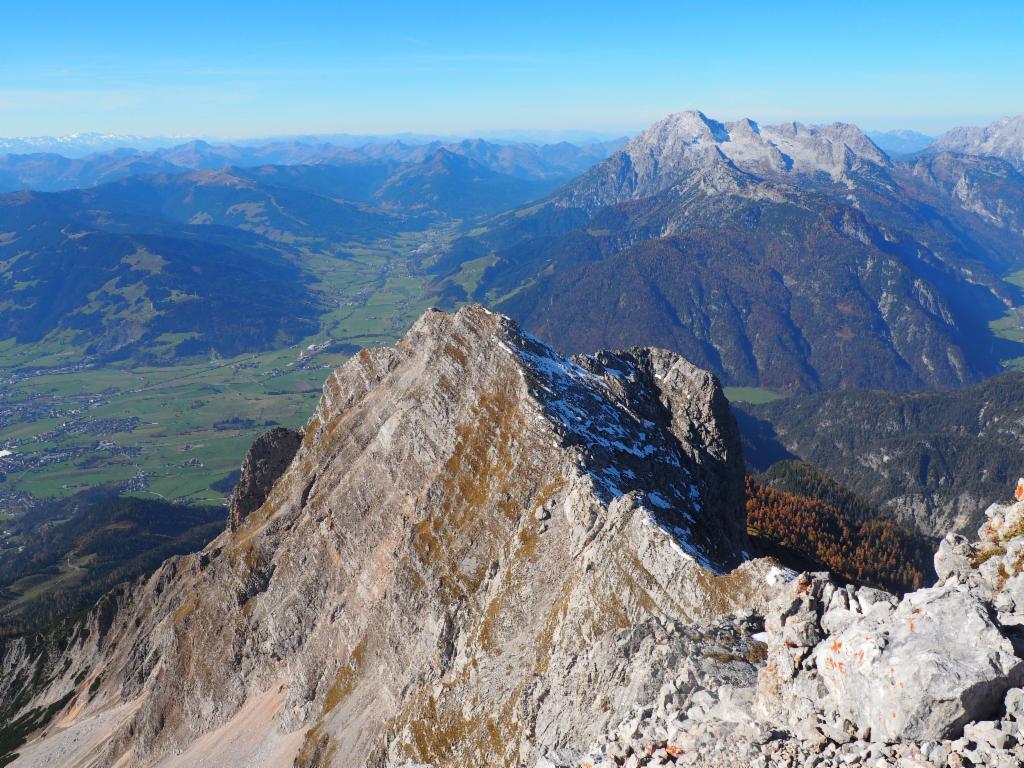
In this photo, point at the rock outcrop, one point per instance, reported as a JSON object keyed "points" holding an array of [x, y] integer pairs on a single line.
{"points": [[481, 552], [904, 676], [856, 676], [265, 462]]}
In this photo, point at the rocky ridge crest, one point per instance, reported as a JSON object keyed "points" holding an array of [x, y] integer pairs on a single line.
{"points": [[1003, 139], [477, 554], [689, 150]]}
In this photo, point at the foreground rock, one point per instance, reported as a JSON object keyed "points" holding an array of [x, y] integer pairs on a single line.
{"points": [[480, 553], [919, 672], [855, 676]]}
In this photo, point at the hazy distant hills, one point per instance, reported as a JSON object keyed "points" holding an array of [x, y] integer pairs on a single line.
{"points": [[559, 161], [227, 199], [900, 142], [51, 172], [77, 145], [792, 257], [168, 262], [459, 185]]}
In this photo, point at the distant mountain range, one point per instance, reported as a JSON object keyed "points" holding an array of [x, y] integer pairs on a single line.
{"points": [[81, 144], [196, 247], [51, 171], [169, 264], [900, 142], [792, 257]]}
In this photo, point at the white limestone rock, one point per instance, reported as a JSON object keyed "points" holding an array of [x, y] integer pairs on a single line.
{"points": [[924, 671]]}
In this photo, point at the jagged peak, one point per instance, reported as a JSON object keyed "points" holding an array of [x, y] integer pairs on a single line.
{"points": [[690, 146], [469, 513], [744, 126], [690, 126], [1003, 139], [625, 416]]}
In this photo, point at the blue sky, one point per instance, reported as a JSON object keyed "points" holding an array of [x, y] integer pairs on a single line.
{"points": [[259, 68]]}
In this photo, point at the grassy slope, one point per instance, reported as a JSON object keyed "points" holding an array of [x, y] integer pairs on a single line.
{"points": [[754, 395], [1011, 325]]}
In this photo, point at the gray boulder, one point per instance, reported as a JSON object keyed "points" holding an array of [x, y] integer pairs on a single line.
{"points": [[953, 557], [921, 672]]}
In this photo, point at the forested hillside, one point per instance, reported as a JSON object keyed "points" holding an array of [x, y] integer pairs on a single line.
{"points": [[933, 460]]}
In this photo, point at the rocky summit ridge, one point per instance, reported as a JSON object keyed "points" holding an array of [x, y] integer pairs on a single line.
{"points": [[480, 553], [474, 554], [688, 148]]}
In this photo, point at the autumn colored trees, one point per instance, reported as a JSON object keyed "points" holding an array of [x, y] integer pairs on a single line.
{"points": [[870, 551]]}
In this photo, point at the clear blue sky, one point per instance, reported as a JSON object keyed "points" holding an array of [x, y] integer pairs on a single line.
{"points": [[261, 68]]}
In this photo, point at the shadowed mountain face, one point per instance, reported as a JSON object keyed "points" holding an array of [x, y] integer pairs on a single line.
{"points": [[76, 549], [225, 199], [462, 186], [793, 257], [449, 565]]}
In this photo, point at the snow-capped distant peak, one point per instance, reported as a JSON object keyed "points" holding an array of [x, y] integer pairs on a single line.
{"points": [[79, 144]]}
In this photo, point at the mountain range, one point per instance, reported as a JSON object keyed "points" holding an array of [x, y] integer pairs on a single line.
{"points": [[790, 257], [169, 264], [51, 172], [83, 143]]}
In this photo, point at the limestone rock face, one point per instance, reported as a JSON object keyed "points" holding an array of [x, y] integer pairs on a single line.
{"points": [[851, 676], [912, 670], [266, 460], [1003, 139], [953, 558], [921, 671], [472, 558], [691, 150]]}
